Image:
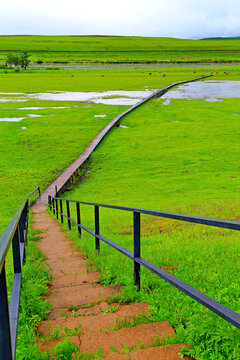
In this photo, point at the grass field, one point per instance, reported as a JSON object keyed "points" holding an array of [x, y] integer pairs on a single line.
{"points": [[120, 49], [49, 143], [38, 154], [190, 166]]}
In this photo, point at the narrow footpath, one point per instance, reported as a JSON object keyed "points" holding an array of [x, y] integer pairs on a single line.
{"points": [[81, 310]]}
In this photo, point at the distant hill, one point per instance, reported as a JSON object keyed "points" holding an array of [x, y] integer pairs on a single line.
{"points": [[223, 38], [121, 49]]}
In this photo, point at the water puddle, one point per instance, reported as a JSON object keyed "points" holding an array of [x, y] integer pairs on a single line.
{"points": [[116, 97], [4, 100], [166, 102], [45, 107], [207, 90], [143, 66], [7, 119], [12, 119], [123, 126], [107, 97], [33, 115]]}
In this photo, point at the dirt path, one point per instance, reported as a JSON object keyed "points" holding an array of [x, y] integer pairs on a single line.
{"points": [[82, 310]]}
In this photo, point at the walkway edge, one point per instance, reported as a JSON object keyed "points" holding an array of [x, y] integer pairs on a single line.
{"points": [[67, 174]]}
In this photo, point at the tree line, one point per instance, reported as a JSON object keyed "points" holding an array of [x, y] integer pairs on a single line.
{"points": [[17, 60]]}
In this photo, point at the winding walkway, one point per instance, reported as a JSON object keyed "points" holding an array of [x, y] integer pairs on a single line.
{"points": [[82, 310], [73, 169]]}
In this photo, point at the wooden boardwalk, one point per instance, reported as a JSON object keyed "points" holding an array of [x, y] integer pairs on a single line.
{"points": [[67, 174]]}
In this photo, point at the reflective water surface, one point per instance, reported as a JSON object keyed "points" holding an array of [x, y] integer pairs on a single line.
{"points": [[207, 90], [116, 97]]}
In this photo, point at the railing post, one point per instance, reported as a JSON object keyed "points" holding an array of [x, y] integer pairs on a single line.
{"points": [[61, 210], [16, 252], [39, 192], [21, 233], [57, 208], [56, 191], [96, 216], [79, 219], [136, 247], [26, 214], [49, 202], [5, 338], [21, 228], [68, 214], [25, 221], [53, 204]]}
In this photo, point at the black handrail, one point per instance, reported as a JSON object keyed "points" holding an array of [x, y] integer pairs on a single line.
{"points": [[221, 310], [15, 234]]}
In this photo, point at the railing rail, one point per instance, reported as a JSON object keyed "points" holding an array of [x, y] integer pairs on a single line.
{"points": [[221, 310], [15, 234]]}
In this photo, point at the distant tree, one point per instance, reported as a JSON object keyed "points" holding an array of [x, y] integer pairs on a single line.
{"points": [[17, 60], [12, 59], [24, 60]]}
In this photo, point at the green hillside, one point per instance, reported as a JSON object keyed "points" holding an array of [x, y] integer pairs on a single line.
{"points": [[120, 49]]}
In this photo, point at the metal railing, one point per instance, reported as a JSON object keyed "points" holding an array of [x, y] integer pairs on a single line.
{"points": [[15, 234], [56, 204]]}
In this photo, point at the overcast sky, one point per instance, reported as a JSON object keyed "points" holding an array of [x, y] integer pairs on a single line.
{"points": [[175, 18]]}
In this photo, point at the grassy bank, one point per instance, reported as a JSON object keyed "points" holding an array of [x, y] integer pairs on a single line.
{"points": [[38, 154], [117, 49], [181, 158], [51, 142]]}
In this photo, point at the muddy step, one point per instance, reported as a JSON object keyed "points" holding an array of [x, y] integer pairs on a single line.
{"points": [[79, 295], [99, 317], [131, 337], [122, 310], [134, 338], [166, 352], [72, 280], [66, 265]]}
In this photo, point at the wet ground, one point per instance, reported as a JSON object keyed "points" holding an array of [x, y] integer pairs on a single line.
{"points": [[128, 66], [117, 97], [201, 90], [204, 90]]}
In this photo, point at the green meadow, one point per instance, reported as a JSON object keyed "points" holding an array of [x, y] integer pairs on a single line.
{"points": [[51, 142], [120, 49], [182, 157], [190, 167]]}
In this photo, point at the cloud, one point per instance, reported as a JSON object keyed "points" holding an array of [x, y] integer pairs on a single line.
{"points": [[179, 18]]}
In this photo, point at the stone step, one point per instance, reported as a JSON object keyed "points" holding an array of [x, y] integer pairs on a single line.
{"points": [[66, 265], [80, 294], [133, 337], [92, 319], [166, 352], [75, 279]]}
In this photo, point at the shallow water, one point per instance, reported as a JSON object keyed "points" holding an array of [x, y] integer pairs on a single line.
{"points": [[12, 119], [33, 115], [129, 65], [106, 97], [3, 100], [118, 97], [123, 126], [206, 90], [45, 107]]}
